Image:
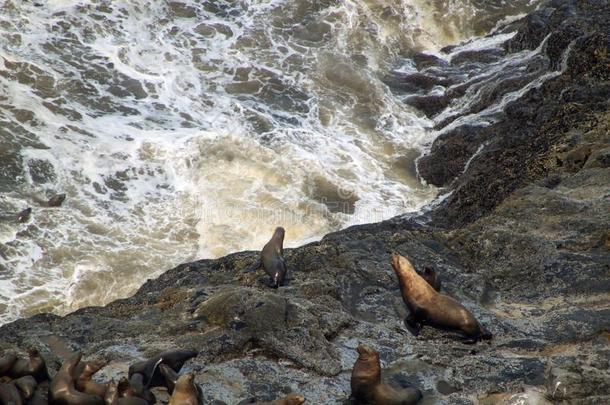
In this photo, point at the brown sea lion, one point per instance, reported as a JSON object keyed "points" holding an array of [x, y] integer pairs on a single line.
{"points": [[175, 359], [432, 278], [27, 385], [62, 390], [24, 215], [41, 395], [6, 363], [272, 258], [56, 200], [82, 375], [428, 307], [290, 399], [185, 391], [111, 397], [367, 387], [9, 395], [34, 366]]}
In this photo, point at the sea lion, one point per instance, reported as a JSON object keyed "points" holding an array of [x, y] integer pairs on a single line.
{"points": [[367, 387], [185, 391], [9, 395], [34, 366], [41, 395], [24, 215], [171, 377], [432, 278], [27, 385], [62, 390], [272, 258], [56, 200], [82, 375], [111, 397], [175, 359], [290, 399], [137, 388], [428, 307], [6, 363]]}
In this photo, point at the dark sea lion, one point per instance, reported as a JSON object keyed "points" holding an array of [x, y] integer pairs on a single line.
{"points": [[62, 390], [290, 399], [56, 200], [428, 307], [171, 377], [367, 387], [137, 388], [185, 391], [175, 359], [6, 363], [24, 215], [272, 258], [9, 395], [34, 366], [82, 375], [27, 385], [432, 278]]}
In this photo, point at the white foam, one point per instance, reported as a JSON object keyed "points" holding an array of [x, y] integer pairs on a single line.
{"points": [[145, 191]]}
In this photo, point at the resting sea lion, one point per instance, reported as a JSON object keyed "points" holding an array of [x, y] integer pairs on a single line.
{"points": [[9, 395], [175, 359], [272, 258], [290, 399], [111, 397], [432, 278], [428, 307], [62, 390], [185, 391], [41, 395], [367, 387], [27, 385], [6, 363], [82, 375], [56, 200], [24, 215], [34, 366]]}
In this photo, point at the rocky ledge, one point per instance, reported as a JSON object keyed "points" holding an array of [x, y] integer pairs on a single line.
{"points": [[522, 240]]}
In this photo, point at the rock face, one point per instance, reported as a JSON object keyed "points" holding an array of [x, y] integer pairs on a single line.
{"points": [[523, 241]]}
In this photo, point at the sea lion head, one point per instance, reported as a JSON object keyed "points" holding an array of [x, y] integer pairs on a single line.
{"points": [[294, 399], [366, 352], [185, 382], [33, 352], [407, 276], [366, 373], [278, 234]]}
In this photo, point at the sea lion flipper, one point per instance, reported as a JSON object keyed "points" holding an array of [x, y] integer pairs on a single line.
{"points": [[413, 325]]}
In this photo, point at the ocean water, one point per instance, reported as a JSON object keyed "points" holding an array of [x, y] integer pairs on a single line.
{"points": [[182, 130]]}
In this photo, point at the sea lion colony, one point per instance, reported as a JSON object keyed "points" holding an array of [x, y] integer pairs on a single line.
{"points": [[26, 380]]}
